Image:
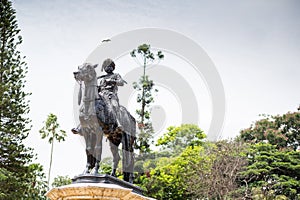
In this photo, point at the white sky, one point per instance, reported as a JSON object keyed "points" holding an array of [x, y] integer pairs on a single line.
{"points": [[255, 46]]}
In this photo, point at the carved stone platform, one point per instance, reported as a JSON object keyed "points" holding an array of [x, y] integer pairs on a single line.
{"points": [[97, 187]]}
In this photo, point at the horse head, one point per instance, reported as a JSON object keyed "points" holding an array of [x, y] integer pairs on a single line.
{"points": [[86, 72]]}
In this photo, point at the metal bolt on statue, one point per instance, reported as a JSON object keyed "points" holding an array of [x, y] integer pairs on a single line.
{"points": [[100, 114]]}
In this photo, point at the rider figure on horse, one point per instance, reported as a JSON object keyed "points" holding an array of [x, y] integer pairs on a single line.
{"points": [[108, 90]]}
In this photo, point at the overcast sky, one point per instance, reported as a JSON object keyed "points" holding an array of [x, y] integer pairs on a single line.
{"points": [[255, 46]]}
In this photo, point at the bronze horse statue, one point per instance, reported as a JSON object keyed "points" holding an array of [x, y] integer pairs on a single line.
{"points": [[93, 117]]}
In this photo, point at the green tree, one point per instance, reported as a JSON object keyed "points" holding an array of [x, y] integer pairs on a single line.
{"points": [[272, 172], [51, 131], [178, 138], [274, 158], [61, 180], [18, 177], [168, 180], [145, 86], [280, 130], [39, 187], [166, 172]]}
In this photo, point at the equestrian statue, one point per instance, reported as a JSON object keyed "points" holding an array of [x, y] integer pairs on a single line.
{"points": [[101, 114]]}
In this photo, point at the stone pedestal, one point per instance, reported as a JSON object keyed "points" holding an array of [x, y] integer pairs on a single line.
{"points": [[97, 187]]}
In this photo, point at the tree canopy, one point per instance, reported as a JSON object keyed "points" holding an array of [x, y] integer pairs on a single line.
{"points": [[263, 162], [178, 138], [19, 177], [272, 172], [280, 130]]}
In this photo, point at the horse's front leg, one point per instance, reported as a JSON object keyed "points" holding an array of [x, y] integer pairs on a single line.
{"points": [[88, 149], [116, 158], [98, 149]]}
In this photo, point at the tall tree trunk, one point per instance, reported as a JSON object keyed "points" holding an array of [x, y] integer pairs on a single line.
{"points": [[50, 165]]}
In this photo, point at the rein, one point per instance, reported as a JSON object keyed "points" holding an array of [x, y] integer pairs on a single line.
{"points": [[80, 92]]}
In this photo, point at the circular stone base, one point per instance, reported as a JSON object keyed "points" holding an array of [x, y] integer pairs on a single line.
{"points": [[94, 191]]}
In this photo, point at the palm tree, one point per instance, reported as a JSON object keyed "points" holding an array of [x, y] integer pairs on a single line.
{"points": [[51, 131]]}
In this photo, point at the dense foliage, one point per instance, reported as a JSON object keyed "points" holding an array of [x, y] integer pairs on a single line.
{"points": [[19, 178], [178, 138], [280, 130], [274, 157], [263, 162], [61, 180], [272, 172]]}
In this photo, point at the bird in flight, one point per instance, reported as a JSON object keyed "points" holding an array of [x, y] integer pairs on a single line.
{"points": [[106, 40]]}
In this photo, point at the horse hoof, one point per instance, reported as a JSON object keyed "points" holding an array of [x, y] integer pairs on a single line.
{"points": [[130, 180]]}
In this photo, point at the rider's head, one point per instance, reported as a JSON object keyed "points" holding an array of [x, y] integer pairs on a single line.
{"points": [[108, 65]]}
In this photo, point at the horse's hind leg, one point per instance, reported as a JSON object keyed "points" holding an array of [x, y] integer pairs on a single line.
{"points": [[116, 157]]}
